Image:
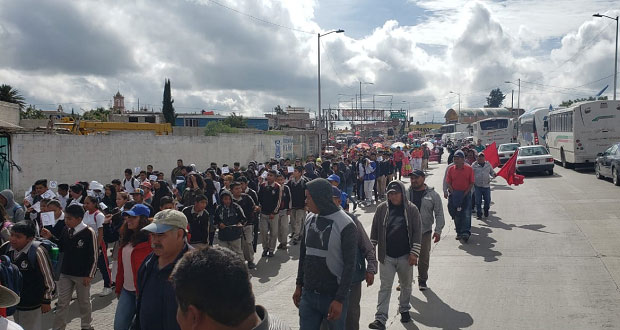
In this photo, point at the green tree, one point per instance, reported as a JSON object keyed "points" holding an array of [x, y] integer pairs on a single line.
{"points": [[568, 103], [31, 113], [99, 114], [11, 95], [278, 110], [236, 121], [495, 99], [168, 108], [214, 128]]}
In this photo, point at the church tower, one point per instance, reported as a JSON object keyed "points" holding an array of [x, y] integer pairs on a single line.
{"points": [[119, 103]]}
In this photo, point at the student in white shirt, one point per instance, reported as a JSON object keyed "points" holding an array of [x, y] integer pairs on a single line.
{"points": [[129, 182]]}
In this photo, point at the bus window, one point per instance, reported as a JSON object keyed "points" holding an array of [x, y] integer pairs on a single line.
{"points": [[493, 124]]}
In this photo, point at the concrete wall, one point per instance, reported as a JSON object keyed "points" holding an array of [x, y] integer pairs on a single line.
{"points": [[33, 123], [103, 157], [9, 112]]}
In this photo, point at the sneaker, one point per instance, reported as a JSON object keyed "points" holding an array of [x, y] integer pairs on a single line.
{"points": [[405, 317], [105, 292], [251, 265], [74, 295], [270, 254], [458, 237], [486, 214], [465, 238], [265, 253], [282, 246], [422, 285], [376, 324], [294, 241], [479, 216]]}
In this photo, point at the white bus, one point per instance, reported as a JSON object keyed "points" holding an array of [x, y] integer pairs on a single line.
{"points": [[533, 127], [576, 134], [498, 130]]}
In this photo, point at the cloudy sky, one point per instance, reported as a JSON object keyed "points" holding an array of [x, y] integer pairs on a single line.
{"points": [[249, 55]]}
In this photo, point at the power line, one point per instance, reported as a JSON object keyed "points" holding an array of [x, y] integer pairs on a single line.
{"points": [[258, 18]]}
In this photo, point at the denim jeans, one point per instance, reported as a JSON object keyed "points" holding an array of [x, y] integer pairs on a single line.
{"points": [[482, 192], [125, 310], [313, 309], [387, 270], [462, 221]]}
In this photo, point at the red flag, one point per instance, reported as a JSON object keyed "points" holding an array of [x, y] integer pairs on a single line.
{"points": [[509, 171], [491, 155]]}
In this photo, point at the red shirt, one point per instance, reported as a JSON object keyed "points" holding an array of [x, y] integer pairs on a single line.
{"points": [[398, 156], [460, 178]]}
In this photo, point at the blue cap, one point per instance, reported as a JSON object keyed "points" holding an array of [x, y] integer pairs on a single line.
{"points": [[138, 210], [459, 153], [333, 177]]}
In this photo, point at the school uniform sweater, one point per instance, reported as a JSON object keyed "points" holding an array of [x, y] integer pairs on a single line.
{"points": [[37, 278], [80, 251], [298, 192], [269, 197]]}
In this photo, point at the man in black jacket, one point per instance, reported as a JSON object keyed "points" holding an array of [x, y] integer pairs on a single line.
{"points": [[326, 266], [156, 304], [269, 197]]}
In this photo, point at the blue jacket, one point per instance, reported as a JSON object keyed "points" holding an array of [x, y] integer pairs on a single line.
{"points": [[370, 171], [156, 303]]}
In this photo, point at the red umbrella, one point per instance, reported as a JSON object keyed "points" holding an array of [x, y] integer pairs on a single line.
{"points": [[363, 145], [377, 145]]}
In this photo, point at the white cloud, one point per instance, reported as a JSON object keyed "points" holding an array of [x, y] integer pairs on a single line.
{"points": [[66, 51]]}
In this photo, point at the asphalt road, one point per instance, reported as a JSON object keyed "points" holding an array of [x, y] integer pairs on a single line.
{"points": [[548, 257]]}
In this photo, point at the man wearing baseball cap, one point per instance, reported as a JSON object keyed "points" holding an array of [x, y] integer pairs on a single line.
{"points": [[430, 206], [138, 197], [168, 232], [396, 233]]}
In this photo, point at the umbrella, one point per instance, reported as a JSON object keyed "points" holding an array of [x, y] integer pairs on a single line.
{"points": [[397, 144], [363, 145], [429, 144], [377, 145]]}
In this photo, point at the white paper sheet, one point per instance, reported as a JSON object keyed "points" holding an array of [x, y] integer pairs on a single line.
{"points": [[47, 218]]}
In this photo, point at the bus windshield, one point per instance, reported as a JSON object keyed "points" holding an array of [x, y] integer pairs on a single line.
{"points": [[493, 124]]}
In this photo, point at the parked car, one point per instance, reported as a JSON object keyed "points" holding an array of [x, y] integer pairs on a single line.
{"points": [[534, 159], [505, 151], [608, 164]]}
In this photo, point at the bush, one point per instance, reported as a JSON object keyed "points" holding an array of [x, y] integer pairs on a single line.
{"points": [[214, 128]]}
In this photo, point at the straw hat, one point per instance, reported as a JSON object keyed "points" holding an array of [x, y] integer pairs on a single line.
{"points": [[8, 298]]}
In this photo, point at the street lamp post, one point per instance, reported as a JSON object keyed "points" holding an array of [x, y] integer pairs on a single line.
{"points": [[616, 58], [458, 119], [518, 96], [319, 80]]}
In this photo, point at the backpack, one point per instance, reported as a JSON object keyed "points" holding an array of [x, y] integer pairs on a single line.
{"points": [[10, 277], [48, 245]]}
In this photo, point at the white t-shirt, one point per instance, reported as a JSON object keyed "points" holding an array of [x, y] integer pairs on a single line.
{"points": [[128, 187], [128, 283], [94, 220]]}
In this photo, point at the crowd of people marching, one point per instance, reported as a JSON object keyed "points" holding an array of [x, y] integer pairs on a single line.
{"points": [[134, 231]]}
